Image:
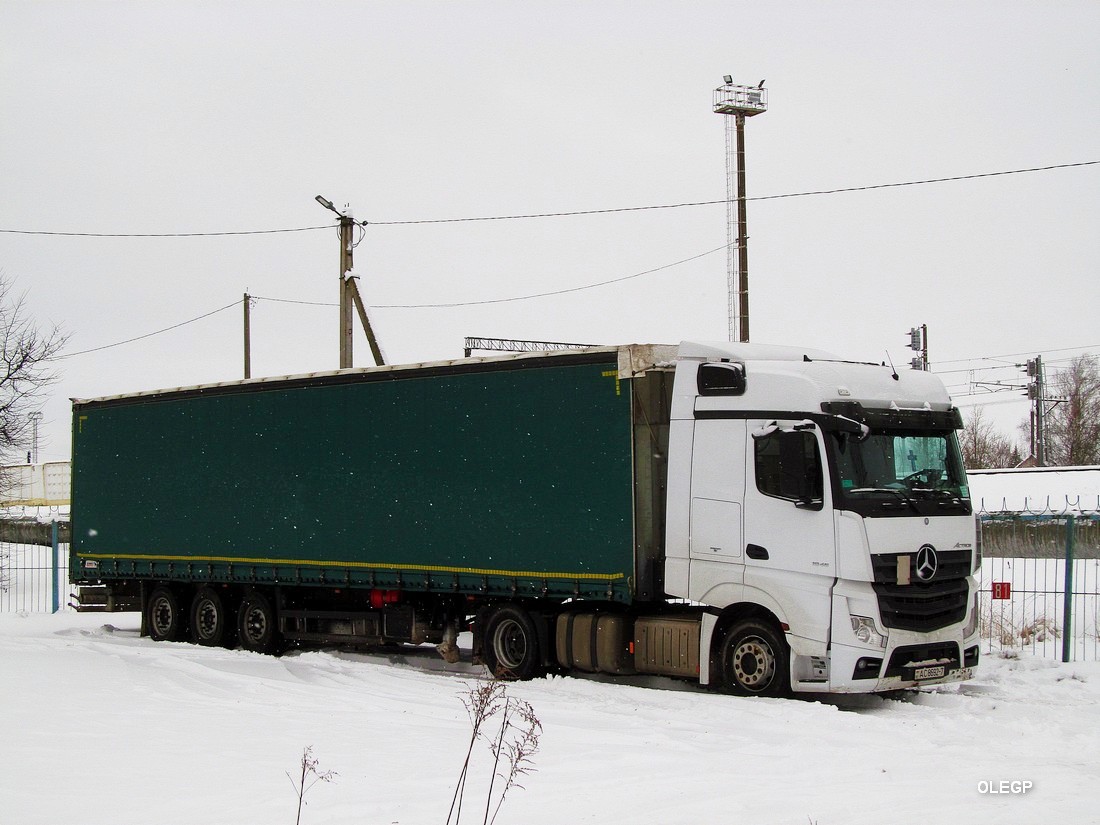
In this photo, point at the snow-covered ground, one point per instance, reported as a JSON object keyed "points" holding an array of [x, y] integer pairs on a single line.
{"points": [[102, 726]]}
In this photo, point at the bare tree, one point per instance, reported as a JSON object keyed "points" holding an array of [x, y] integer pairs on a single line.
{"points": [[983, 446], [26, 353], [1073, 425]]}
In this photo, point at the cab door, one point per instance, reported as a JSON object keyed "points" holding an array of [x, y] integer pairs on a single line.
{"points": [[790, 548]]}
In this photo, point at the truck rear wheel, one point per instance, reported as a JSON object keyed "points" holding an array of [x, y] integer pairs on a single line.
{"points": [[257, 624], [210, 619], [755, 660], [163, 618], [511, 644]]}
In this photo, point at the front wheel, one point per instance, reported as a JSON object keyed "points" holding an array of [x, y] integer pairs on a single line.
{"points": [[511, 644], [755, 660]]}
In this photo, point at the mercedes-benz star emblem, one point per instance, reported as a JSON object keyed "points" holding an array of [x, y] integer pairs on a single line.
{"points": [[927, 562]]}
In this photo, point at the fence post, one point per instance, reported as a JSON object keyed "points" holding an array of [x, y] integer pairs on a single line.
{"points": [[55, 601], [1067, 602]]}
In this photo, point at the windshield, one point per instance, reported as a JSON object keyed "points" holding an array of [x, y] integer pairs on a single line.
{"points": [[896, 471]]}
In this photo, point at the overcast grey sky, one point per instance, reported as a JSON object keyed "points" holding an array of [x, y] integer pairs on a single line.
{"points": [[143, 117]]}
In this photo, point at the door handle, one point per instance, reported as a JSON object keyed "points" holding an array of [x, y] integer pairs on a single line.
{"points": [[755, 551]]}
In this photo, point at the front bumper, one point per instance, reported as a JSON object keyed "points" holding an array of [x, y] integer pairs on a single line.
{"points": [[861, 669]]}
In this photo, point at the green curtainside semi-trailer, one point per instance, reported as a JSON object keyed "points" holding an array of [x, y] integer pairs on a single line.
{"points": [[768, 519], [380, 505]]}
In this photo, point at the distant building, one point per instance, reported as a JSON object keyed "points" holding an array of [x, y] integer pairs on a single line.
{"points": [[36, 485]]}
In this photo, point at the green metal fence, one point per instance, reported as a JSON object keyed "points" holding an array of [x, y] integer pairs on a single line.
{"points": [[34, 573], [1041, 585]]}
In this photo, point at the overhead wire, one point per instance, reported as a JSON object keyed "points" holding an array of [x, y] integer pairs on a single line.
{"points": [[726, 201], [453, 304], [571, 213], [148, 334], [1016, 355], [162, 234], [512, 299], [389, 306]]}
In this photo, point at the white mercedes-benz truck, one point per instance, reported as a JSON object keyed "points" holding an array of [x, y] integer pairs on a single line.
{"points": [[827, 498]]}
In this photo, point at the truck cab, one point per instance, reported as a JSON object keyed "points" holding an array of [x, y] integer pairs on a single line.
{"points": [[819, 514]]}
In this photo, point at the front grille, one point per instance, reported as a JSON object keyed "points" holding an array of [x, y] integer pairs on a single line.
{"points": [[922, 606]]}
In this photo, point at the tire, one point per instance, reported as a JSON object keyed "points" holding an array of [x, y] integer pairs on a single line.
{"points": [[163, 617], [211, 624], [755, 660], [511, 644], [257, 624]]}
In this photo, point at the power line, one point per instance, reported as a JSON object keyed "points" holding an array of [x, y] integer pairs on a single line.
{"points": [[553, 292], [572, 213], [976, 400], [387, 306], [1012, 366], [289, 301], [725, 201], [148, 334], [505, 300], [162, 234], [1007, 355]]}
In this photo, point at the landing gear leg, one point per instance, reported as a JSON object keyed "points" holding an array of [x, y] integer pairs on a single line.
{"points": [[448, 649]]}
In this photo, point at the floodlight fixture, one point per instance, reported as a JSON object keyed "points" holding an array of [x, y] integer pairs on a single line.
{"points": [[728, 78]]}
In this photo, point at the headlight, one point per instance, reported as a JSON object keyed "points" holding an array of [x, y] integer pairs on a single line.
{"points": [[867, 632]]}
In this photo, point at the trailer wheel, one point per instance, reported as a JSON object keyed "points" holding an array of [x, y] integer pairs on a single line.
{"points": [[755, 660], [210, 620], [511, 644], [257, 624], [163, 617]]}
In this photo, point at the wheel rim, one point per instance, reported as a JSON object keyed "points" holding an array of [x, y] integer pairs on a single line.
{"points": [[509, 644], [206, 619], [255, 624], [162, 616], [753, 663]]}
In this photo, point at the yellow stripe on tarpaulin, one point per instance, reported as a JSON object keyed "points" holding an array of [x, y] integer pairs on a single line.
{"points": [[614, 374], [356, 564]]}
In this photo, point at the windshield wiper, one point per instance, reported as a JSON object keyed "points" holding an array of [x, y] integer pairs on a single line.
{"points": [[892, 490]]}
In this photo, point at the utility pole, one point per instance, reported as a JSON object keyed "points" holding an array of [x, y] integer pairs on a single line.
{"points": [[346, 225], [349, 292], [247, 336]]}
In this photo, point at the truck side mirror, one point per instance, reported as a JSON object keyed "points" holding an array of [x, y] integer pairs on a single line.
{"points": [[722, 378]]}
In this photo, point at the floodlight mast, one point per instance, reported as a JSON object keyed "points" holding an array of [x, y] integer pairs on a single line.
{"points": [[737, 103]]}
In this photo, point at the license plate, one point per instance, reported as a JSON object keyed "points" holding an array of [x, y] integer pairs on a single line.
{"points": [[935, 672]]}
